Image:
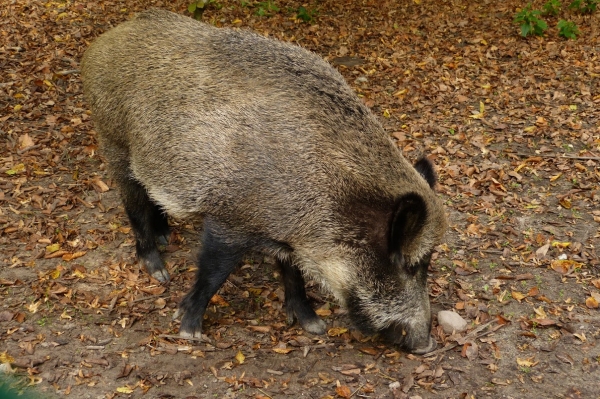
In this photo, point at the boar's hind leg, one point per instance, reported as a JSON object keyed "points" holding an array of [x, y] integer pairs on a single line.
{"points": [[149, 224], [221, 252], [296, 302]]}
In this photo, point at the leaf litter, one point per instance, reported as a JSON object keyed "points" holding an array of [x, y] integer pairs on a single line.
{"points": [[512, 125]]}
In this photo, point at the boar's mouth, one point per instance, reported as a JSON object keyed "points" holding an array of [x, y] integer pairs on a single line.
{"points": [[409, 337], [398, 335]]}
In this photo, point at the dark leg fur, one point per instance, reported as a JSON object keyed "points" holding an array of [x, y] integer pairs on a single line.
{"points": [[160, 225], [149, 224], [221, 252], [296, 302]]}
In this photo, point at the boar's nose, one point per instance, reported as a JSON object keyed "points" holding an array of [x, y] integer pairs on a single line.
{"points": [[415, 341], [421, 350]]}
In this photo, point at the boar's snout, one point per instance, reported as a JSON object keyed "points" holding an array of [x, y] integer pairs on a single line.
{"points": [[414, 339]]}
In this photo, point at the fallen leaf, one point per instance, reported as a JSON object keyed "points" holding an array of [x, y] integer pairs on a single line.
{"points": [[591, 302], [529, 362], [343, 391], [125, 389], [218, 300], [336, 331], [25, 141], [239, 357], [517, 295]]}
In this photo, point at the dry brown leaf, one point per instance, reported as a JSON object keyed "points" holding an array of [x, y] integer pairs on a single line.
{"points": [[343, 391], [218, 300], [25, 141]]}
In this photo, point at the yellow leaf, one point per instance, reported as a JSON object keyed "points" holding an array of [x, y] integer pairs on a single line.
{"points": [[70, 257], [486, 86], [52, 248], [240, 357], [77, 273], [386, 113], [33, 307], [54, 274], [565, 266], [481, 107], [401, 92], [540, 312], [336, 331], [573, 107], [48, 83], [530, 129], [236, 21], [558, 244], [17, 107], [323, 311], [556, 177], [518, 168], [16, 169], [6, 358], [61, 15], [283, 351], [517, 295], [530, 362], [124, 389], [565, 203], [417, 2], [591, 302]]}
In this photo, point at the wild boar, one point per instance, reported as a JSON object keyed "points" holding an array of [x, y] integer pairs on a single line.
{"points": [[269, 144]]}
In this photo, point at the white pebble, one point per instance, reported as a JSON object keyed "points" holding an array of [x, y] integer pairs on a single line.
{"points": [[451, 321]]}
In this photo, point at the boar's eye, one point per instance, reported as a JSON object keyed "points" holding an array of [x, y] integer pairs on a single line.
{"points": [[407, 225]]}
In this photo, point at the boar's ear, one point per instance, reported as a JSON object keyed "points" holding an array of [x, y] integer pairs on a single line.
{"points": [[425, 169], [407, 225]]}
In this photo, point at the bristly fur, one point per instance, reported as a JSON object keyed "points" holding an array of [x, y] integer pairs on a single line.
{"points": [[268, 141]]}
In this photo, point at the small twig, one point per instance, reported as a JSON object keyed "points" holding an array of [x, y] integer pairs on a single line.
{"points": [[145, 298], [264, 393], [24, 150], [472, 335], [357, 389], [180, 337], [559, 156], [305, 372], [67, 72], [387, 376]]}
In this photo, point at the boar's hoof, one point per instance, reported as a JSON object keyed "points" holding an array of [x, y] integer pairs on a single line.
{"points": [[188, 334], [189, 328], [155, 267], [162, 276], [314, 326], [177, 313], [162, 239], [425, 349]]}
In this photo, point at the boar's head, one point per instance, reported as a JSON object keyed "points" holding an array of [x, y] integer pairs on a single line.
{"points": [[388, 293]]}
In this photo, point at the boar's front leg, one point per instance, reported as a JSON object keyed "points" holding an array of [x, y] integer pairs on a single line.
{"points": [[296, 302], [149, 224], [221, 252]]}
